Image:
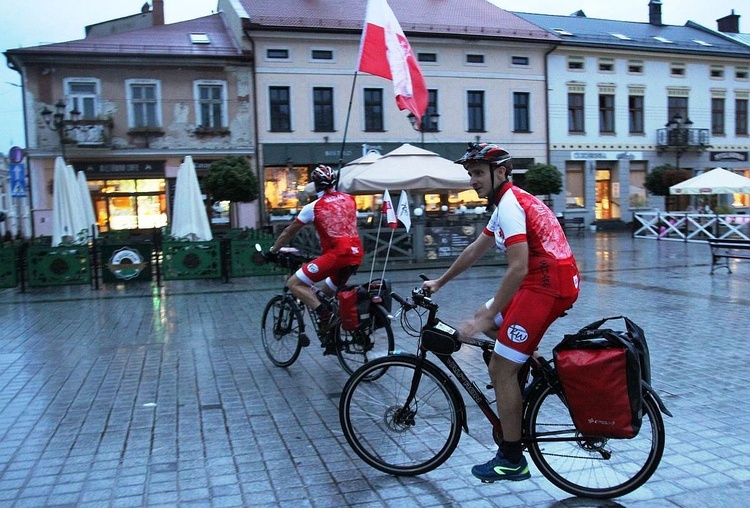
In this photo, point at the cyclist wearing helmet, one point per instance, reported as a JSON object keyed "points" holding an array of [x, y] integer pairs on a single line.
{"points": [[334, 215], [541, 282]]}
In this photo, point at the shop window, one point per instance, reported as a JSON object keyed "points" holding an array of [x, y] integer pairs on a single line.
{"points": [[129, 204], [637, 197], [574, 185], [285, 189]]}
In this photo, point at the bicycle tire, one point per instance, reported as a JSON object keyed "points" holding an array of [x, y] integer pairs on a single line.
{"points": [[356, 348], [586, 466], [281, 340], [415, 444]]}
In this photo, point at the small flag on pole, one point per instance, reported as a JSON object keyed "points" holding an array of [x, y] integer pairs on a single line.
{"points": [[402, 213], [390, 213], [385, 52]]}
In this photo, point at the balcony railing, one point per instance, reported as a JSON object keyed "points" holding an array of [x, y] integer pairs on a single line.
{"points": [[683, 139], [88, 132]]}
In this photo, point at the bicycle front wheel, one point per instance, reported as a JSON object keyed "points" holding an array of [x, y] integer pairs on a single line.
{"points": [[587, 466], [356, 348], [400, 439], [280, 329]]}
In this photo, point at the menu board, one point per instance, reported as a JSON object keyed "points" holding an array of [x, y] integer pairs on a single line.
{"points": [[448, 241]]}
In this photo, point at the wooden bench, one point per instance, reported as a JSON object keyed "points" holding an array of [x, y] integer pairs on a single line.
{"points": [[573, 223], [724, 250]]}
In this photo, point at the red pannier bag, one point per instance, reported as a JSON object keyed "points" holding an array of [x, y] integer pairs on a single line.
{"points": [[601, 372], [354, 307]]}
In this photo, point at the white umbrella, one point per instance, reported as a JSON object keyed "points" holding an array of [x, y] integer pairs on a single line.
{"points": [[410, 168], [351, 169], [189, 218], [716, 181], [68, 217], [88, 206]]}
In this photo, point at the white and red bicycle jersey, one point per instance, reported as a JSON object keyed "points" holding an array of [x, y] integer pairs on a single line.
{"points": [[521, 217], [334, 216]]}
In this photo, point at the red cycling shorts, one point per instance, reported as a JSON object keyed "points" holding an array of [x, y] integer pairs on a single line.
{"points": [[334, 265]]}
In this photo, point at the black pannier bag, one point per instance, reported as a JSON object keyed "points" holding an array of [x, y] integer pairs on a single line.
{"points": [[601, 372]]}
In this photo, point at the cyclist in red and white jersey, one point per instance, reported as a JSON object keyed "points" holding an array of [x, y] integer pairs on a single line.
{"points": [[541, 282], [334, 215]]}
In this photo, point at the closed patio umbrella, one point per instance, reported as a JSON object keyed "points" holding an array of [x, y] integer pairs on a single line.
{"points": [[68, 216], [189, 218], [88, 206]]}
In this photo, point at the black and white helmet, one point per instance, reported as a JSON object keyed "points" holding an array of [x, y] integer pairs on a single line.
{"points": [[323, 177]]}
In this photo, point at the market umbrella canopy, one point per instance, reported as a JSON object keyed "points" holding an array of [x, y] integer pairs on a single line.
{"points": [[189, 217], [410, 168], [88, 206], [716, 181], [355, 167], [69, 223]]}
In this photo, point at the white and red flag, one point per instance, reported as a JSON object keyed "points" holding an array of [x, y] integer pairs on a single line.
{"points": [[385, 52], [402, 212], [388, 210]]}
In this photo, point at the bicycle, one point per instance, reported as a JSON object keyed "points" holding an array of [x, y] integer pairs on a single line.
{"points": [[284, 333], [409, 420]]}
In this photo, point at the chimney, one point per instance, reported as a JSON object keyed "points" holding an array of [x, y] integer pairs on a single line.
{"points": [[158, 15], [729, 24], [654, 13]]}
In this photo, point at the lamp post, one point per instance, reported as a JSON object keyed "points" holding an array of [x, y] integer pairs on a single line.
{"points": [[678, 132], [56, 121], [428, 123]]}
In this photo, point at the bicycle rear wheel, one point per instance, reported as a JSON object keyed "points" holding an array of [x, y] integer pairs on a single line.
{"points": [[394, 438], [356, 348], [280, 329], [587, 466]]}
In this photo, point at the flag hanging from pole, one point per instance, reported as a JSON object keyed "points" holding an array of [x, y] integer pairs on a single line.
{"points": [[402, 212], [385, 52], [390, 213]]}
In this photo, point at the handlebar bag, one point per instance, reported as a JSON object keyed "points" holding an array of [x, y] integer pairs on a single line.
{"points": [[354, 307], [441, 339], [600, 373]]}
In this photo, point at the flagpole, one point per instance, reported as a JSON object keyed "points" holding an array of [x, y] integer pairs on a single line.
{"points": [[377, 243], [387, 253], [346, 129]]}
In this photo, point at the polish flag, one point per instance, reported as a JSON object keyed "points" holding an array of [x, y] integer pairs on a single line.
{"points": [[385, 52], [390, 213], [403, 211]]}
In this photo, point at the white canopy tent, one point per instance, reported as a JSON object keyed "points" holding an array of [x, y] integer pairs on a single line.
{"points": [[715, 181], [407, 167]]}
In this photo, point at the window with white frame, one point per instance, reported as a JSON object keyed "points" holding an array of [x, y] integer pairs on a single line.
{"points": [[576, 63], [717, 72], [741, 73], [607, 65], [677, 70], [635, 66], [144, 103], [83, 96], [211, 104]]}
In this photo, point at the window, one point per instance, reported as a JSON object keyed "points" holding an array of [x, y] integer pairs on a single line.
{"points": [[474, 59], [144, 97], [574, 188], [374, 110], [635, 114], [83, 96], [717, 116], [677, 106], [519, 60], [521, 117], [575, 113], [717, 72], [475, 110], [740, 117], [575, 63], [635, 66], [606, 113], [741, 73], [427, 57], [199, 38], [606, 65], [677, 70], [638, 197], [280, 109], [432, 109], [323, 109], [321, 54], [211, 104], [277, 54]]}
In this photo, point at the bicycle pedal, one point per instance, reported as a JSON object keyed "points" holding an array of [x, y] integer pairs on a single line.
{"points": [[304, 340]]}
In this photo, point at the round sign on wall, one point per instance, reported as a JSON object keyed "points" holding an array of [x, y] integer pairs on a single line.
{"points": [[16, 154]]}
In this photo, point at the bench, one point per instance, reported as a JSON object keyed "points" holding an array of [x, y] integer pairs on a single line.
{"points": [[573, 223], [724, 250]]}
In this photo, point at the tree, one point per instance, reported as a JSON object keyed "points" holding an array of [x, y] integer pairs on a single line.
{"points": [[661, 178], [231, 179], [543, 180]]}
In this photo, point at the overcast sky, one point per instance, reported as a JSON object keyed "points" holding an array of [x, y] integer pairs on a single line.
{"points": [[34, 22]]}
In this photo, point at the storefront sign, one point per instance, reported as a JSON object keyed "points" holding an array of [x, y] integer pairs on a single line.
{"points": [[728, 156], [605, 155], [133, 168]]}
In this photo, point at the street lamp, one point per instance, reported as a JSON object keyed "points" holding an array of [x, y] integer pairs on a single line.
{"points": [[56, 121], [678, 135], [428, 123]]}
